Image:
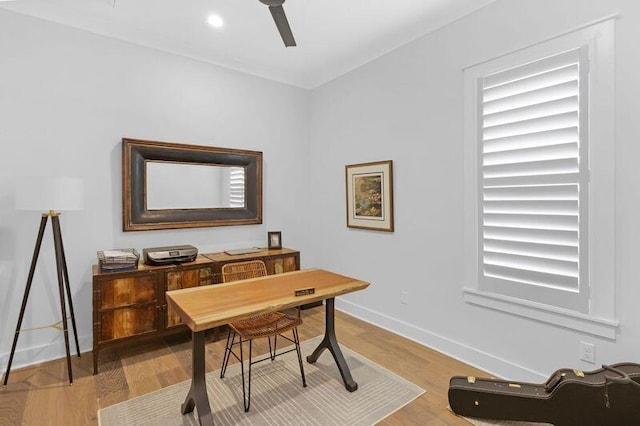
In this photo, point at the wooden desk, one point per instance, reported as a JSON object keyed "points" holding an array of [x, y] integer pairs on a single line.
{"points": [[203, 308]]}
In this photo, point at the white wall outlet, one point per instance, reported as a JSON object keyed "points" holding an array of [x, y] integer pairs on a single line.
{"points": [[588, 352], [404, 297]]}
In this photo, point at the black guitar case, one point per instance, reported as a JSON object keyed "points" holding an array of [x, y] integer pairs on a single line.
{"points": [[605, 397]]}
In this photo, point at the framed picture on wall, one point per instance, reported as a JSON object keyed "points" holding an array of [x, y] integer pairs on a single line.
{"points": [[370, 196], [274, 240]]}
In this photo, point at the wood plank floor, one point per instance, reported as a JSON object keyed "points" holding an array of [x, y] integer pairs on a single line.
{"points": [[41, 395]]}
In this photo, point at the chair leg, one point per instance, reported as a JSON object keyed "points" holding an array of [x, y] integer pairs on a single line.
{"points": [[246, 389], [242, 371], [247, 400], [246, 384], [227, 352], [275, 347], [296, 340], [272, 353]]}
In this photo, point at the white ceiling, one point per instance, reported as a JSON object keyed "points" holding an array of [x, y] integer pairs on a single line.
{"points": [[333, 36]]}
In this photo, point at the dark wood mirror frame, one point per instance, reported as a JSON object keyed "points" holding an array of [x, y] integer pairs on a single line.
{"points": [[135, 216]]}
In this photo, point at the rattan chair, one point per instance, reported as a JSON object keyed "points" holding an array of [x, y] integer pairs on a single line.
{"points": [[269, 325]]}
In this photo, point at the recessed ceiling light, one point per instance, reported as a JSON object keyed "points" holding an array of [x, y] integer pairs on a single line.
{"points": [[215, 21]]}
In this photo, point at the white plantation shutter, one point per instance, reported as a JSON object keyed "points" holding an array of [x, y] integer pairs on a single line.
{"points": [[534, 176], [236, 187]]}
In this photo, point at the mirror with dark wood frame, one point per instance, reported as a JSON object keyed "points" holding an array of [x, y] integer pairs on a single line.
{"points": [[170, 185]]}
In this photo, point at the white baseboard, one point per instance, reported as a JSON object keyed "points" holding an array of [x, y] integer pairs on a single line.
{"points": [[491, 364], [38, 354]]}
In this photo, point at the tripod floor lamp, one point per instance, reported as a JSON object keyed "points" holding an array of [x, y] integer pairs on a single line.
{"points": [[52, 195]]}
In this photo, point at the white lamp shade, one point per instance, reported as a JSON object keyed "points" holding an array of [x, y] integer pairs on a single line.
{"points": [[49, 193]]}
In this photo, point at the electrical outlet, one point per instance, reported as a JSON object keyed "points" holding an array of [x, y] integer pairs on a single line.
{"points": [[588, 352], [404, 297]]}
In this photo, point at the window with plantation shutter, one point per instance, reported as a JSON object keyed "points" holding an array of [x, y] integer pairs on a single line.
{"points": [[534, 180], [539, 181]]}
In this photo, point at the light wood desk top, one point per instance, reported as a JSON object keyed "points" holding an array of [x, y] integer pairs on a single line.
{"points": [[202, 308]]}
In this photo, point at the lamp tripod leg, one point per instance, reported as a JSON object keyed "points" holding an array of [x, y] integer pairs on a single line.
{"points": [[34, 261], [66, 282], [57, 240]]}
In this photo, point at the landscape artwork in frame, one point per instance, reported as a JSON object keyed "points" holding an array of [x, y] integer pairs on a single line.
{"points": [[370, 196]]}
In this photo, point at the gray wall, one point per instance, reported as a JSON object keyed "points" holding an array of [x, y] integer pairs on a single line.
{"points": [[67, 97], [408, 106]]}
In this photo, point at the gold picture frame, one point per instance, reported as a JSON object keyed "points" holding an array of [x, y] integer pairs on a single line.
{"points": [[370, 195]]}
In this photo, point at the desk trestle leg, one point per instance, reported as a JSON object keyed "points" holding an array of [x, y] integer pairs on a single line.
{"points": [[197, 397], [330, 342]]}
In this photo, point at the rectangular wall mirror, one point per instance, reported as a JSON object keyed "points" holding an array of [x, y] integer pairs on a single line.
{"points": [[169, 185]]}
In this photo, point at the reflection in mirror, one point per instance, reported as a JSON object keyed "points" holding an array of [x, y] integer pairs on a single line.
{"points": [[171, 185]]}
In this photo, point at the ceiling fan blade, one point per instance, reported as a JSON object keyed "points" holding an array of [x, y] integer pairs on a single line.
{"points": [[283, 25]]}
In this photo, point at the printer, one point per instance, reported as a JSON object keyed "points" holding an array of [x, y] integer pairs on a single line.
{"points": [[169, 255]]}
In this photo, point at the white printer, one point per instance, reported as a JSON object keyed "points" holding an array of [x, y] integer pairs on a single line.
{"points": [[169, 255]]}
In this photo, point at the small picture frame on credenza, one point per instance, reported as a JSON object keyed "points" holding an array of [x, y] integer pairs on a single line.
{"points": [[274, 240]]}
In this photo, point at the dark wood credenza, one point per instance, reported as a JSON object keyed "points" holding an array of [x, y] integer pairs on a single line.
{"points": [[130, 307]]}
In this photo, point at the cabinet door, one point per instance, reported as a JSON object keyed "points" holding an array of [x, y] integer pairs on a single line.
{"points": [[127, 307], [280, 265], [185, 278]]}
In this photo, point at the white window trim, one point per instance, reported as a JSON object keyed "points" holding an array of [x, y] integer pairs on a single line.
{"points": [[600, 319]]}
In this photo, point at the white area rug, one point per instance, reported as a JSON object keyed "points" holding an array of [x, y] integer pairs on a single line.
{"points": [[277, 395]]}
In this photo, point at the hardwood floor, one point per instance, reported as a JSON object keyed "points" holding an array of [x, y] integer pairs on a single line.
{"points": [[41, 395]]}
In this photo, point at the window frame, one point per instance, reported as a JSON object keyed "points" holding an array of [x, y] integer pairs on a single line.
{"points": [[598, 316]]}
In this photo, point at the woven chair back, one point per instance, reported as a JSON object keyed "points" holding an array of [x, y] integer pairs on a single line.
{"points": [[243, 270]]}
